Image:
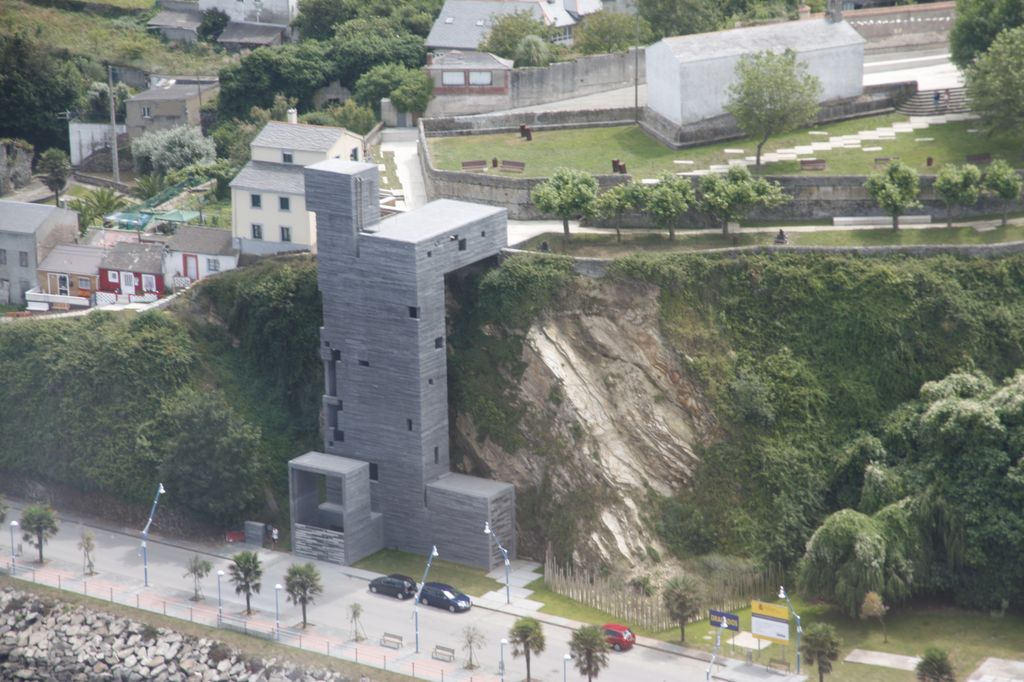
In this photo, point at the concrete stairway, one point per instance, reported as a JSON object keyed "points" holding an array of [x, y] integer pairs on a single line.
{"points": [[923, 103]]}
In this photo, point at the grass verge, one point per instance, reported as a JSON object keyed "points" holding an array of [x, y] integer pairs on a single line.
{"points": [[251, 646], [472, 581]]}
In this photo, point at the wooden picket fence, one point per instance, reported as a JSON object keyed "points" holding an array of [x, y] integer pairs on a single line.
{"points": [[731, 583]]}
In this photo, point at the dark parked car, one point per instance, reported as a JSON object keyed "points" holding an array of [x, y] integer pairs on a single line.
{"points": [[396, 584], [444, 597], [619, 637]]}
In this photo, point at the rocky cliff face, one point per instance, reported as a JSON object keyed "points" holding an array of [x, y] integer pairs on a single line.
{"points": [[609, 416]]}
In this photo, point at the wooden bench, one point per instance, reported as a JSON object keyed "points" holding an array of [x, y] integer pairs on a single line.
{"points": [[478, 166], [812, 164], [882, 161], [512, 166], [779, 664], [979, 159], [391, 641], [443, 653]]}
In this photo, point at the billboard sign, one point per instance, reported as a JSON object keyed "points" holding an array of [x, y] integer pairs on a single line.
{"points": [[732, 621], [769, 622]]}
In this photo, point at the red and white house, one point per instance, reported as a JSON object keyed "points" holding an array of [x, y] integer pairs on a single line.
{"points": [[197, 252], [133, 270]]}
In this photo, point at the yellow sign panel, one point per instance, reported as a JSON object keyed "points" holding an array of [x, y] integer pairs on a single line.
{"points": [[761, 608]]}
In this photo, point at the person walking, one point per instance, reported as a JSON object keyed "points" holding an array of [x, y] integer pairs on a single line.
{"points": [[273, 537]]}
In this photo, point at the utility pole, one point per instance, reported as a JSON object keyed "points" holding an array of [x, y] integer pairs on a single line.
{"points": [[636, 69], [113, 124]]}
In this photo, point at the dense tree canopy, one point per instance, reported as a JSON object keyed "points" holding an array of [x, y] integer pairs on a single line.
{"points": [[318, 19], [995, 84], [293, 70], [611, 32], [977, 24], [682, 17], [732, 195], [568, 194], [361, 44], [895, 190], [165, 151], [508, 31]]}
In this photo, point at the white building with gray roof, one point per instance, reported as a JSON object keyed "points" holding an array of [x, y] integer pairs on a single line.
{"points": [[463, 24], [688, 77], [28, 232]]}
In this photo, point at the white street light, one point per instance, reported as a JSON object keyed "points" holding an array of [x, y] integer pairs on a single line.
{"points": [[220, 603], [501, 662], [416, 602], [277, 611], [504, 553], [799, 628], [145, 535], [565, 666], [14, 529]]}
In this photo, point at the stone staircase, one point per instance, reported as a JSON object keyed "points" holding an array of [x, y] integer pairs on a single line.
{"points": [[923, 103]]}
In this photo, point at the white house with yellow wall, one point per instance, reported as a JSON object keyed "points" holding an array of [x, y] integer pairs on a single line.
{"points": [[268, 204]]}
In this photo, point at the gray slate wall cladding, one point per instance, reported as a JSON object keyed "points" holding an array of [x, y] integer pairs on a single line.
{"points": [[385, 359]]}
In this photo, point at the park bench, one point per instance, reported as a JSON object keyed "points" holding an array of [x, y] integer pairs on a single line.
{"points": [[476, 166], [882, 161], [812, 164], [512, 166], [443, 653], [779, 664], [979, 159], [391, 641]]}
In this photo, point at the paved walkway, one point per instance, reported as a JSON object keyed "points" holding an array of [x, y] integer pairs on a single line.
{"points": [[882, 659], [998, 670]]}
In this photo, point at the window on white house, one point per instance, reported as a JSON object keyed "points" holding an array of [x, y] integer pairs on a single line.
{"points": [[147, 112], [286, 157], [149, 283], [212, 265], [453, 78], [23, 259], [84, 283], [286, 233], [112, 276], [256, 200], [480, 78], [3, 256], [257, 231], [284, 203]]}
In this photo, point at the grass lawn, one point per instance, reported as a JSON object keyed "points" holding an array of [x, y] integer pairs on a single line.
{"points": [[123, 40], [592, 149], [603, 245], [472, 581]]}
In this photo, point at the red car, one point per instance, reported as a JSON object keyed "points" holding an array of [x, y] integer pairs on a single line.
{"points": [[619, 637]]}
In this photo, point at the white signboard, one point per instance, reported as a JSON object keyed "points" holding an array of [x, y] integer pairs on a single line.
{"points": [[772, 629]]}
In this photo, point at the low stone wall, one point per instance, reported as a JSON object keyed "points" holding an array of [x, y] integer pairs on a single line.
{"points": [[903, 26], [15, 164], [583, 76], [505, 122]]}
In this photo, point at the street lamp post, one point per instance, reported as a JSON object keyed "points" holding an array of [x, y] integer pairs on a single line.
{"points": [[416, 603], [718, 644], [501, 660], [220, 603], [565, 666], [504, 553], [14, 529], [277, 611], [145, 535], [799, 628]]}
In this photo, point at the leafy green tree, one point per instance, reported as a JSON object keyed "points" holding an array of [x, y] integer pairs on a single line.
{"points": [[472, 639], [568, 194], [36, 85], [303, 585], [958, 186], [293, 70], [55, 168], [209, 455], [98, 101], [87, 546], [379, 82], [246, 572], [38, 525], [527, 638], [222, 170], [590, 650], [977, 24], [934, 666], [198, 568], [360, 120], [683, 597], [772, 94], [1000, 180], [682, 17], [507, 32], [212, 24], [3, 509], [413, 94], [668, 201], [894, 190], [730, 197], [820, 646], [874, 607], [361, 44], [605, 32], [164, 151], [993, 85], [533, 50], [317, 19], [613, 204]]}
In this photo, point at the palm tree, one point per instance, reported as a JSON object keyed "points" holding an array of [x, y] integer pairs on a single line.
{"points": [[590, 650], [97, 204], [246, 573], [526, 638], [355, 613], [682, 597], [54, 167], [820, 646], [302, 583], [39, 524], [472, 639], [87, 545], [934, 666], [198, 568], [149, 186]]}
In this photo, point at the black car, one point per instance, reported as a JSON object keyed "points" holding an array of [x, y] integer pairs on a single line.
{"points": [[444, 597], [396, 584]]}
